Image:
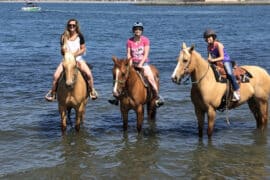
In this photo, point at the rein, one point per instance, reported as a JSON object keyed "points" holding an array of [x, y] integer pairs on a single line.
{"points": [[198, 81]]}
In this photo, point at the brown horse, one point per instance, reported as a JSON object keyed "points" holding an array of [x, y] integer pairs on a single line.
{"points": [[71, 91], [131, 91], [206, 93]]}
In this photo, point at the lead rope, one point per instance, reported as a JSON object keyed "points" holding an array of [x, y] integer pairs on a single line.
{"points": [[227, 103]]}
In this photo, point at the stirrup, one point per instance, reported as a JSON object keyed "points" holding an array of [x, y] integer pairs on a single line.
{"points": [[93, 94], [50, 96]]}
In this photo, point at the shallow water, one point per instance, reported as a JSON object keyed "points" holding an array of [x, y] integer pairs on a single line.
{"points": [[31, 142]]}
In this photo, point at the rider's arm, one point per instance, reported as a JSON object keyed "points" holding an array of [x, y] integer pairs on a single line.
{"points": [[146, 53], [221, 53]]}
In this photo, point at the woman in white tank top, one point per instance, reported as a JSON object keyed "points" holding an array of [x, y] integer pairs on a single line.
{"points": [[74, 43]]}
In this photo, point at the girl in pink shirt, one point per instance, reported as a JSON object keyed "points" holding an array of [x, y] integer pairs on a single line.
{"points": [[138, 48]]}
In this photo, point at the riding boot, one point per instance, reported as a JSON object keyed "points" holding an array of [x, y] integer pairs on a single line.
{"points": [[113, 101], [159, 100]]}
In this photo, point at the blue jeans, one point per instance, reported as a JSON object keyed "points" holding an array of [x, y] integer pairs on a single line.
{"points": [[231, 77]]}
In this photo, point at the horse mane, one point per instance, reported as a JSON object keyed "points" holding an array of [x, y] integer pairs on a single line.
{"points": [[197, 54], [68, 57]]}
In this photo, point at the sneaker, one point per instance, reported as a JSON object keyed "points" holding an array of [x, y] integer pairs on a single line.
{"points": [[159, 102], [93, 94], [50, 96], [113, 101], [236, 96]]}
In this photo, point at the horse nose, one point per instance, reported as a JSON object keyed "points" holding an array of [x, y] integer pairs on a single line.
{"points": [[69, 83], [173, 79]]}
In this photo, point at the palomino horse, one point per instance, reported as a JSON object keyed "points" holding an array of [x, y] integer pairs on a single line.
{"points": [[131, 91], [71, 91], [206, 93]]}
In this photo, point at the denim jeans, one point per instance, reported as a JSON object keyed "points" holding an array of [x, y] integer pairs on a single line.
{"points": [[231, 77]]}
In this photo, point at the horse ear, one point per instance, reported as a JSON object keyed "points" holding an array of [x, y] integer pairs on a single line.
{"points": [[184, 46], [114, 58], [192, 48]]}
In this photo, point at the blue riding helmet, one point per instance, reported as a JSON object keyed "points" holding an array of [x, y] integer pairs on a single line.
{"points": [[137, 25]]}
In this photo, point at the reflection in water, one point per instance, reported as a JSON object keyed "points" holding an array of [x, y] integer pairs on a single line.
{"points": [[137, 157], [76, 152], [231, 160]]}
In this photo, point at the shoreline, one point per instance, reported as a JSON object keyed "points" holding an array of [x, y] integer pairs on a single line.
{"points": [[151, 3]]}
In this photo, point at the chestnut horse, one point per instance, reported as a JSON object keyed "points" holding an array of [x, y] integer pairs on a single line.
{"points": [[206, 93], [71, 91], [131, 91]]}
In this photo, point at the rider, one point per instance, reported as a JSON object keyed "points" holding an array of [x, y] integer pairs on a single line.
{"points": [[138, 48], [76, 44], [216, 52]]}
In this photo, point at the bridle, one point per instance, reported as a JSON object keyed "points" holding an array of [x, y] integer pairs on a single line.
{"points": [[75, 74], [123, 82], [187, 73]]}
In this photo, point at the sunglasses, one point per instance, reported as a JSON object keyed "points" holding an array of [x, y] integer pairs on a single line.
{"points": [[137, 28], [72, 25]]}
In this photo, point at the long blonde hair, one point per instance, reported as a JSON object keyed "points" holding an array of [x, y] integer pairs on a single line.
{"points": [[66, 34]]}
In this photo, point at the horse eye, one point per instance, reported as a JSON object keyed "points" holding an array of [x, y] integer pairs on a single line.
{"points": [[185, 60]]}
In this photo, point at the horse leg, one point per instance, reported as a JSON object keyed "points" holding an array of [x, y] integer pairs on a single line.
{"points": [[211, 114], [200, 117], [151, 110], [264, 113], [124, 113], [62, 111], [139, 112], [259, 108], [79, 115]]}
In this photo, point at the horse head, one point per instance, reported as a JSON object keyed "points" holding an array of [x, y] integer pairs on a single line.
{"points": [[184, 66], [121, 71], [70, 68]]}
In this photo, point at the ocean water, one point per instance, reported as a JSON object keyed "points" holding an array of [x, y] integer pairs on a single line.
{"points": [[32, 145]]}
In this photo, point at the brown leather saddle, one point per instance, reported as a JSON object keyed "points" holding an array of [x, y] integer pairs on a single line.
{"points": [[145, 81], [241, 74]]}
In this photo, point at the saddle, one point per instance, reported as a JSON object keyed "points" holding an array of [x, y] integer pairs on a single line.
{"points": [[144, 80], [241, 74]]}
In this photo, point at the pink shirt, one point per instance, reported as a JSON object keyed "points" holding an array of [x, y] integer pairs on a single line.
{"points": [[137, 48]]}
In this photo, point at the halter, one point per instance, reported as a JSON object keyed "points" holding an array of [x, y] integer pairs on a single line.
{"points": [[186, 72], [123, 82], [125, 79]]}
